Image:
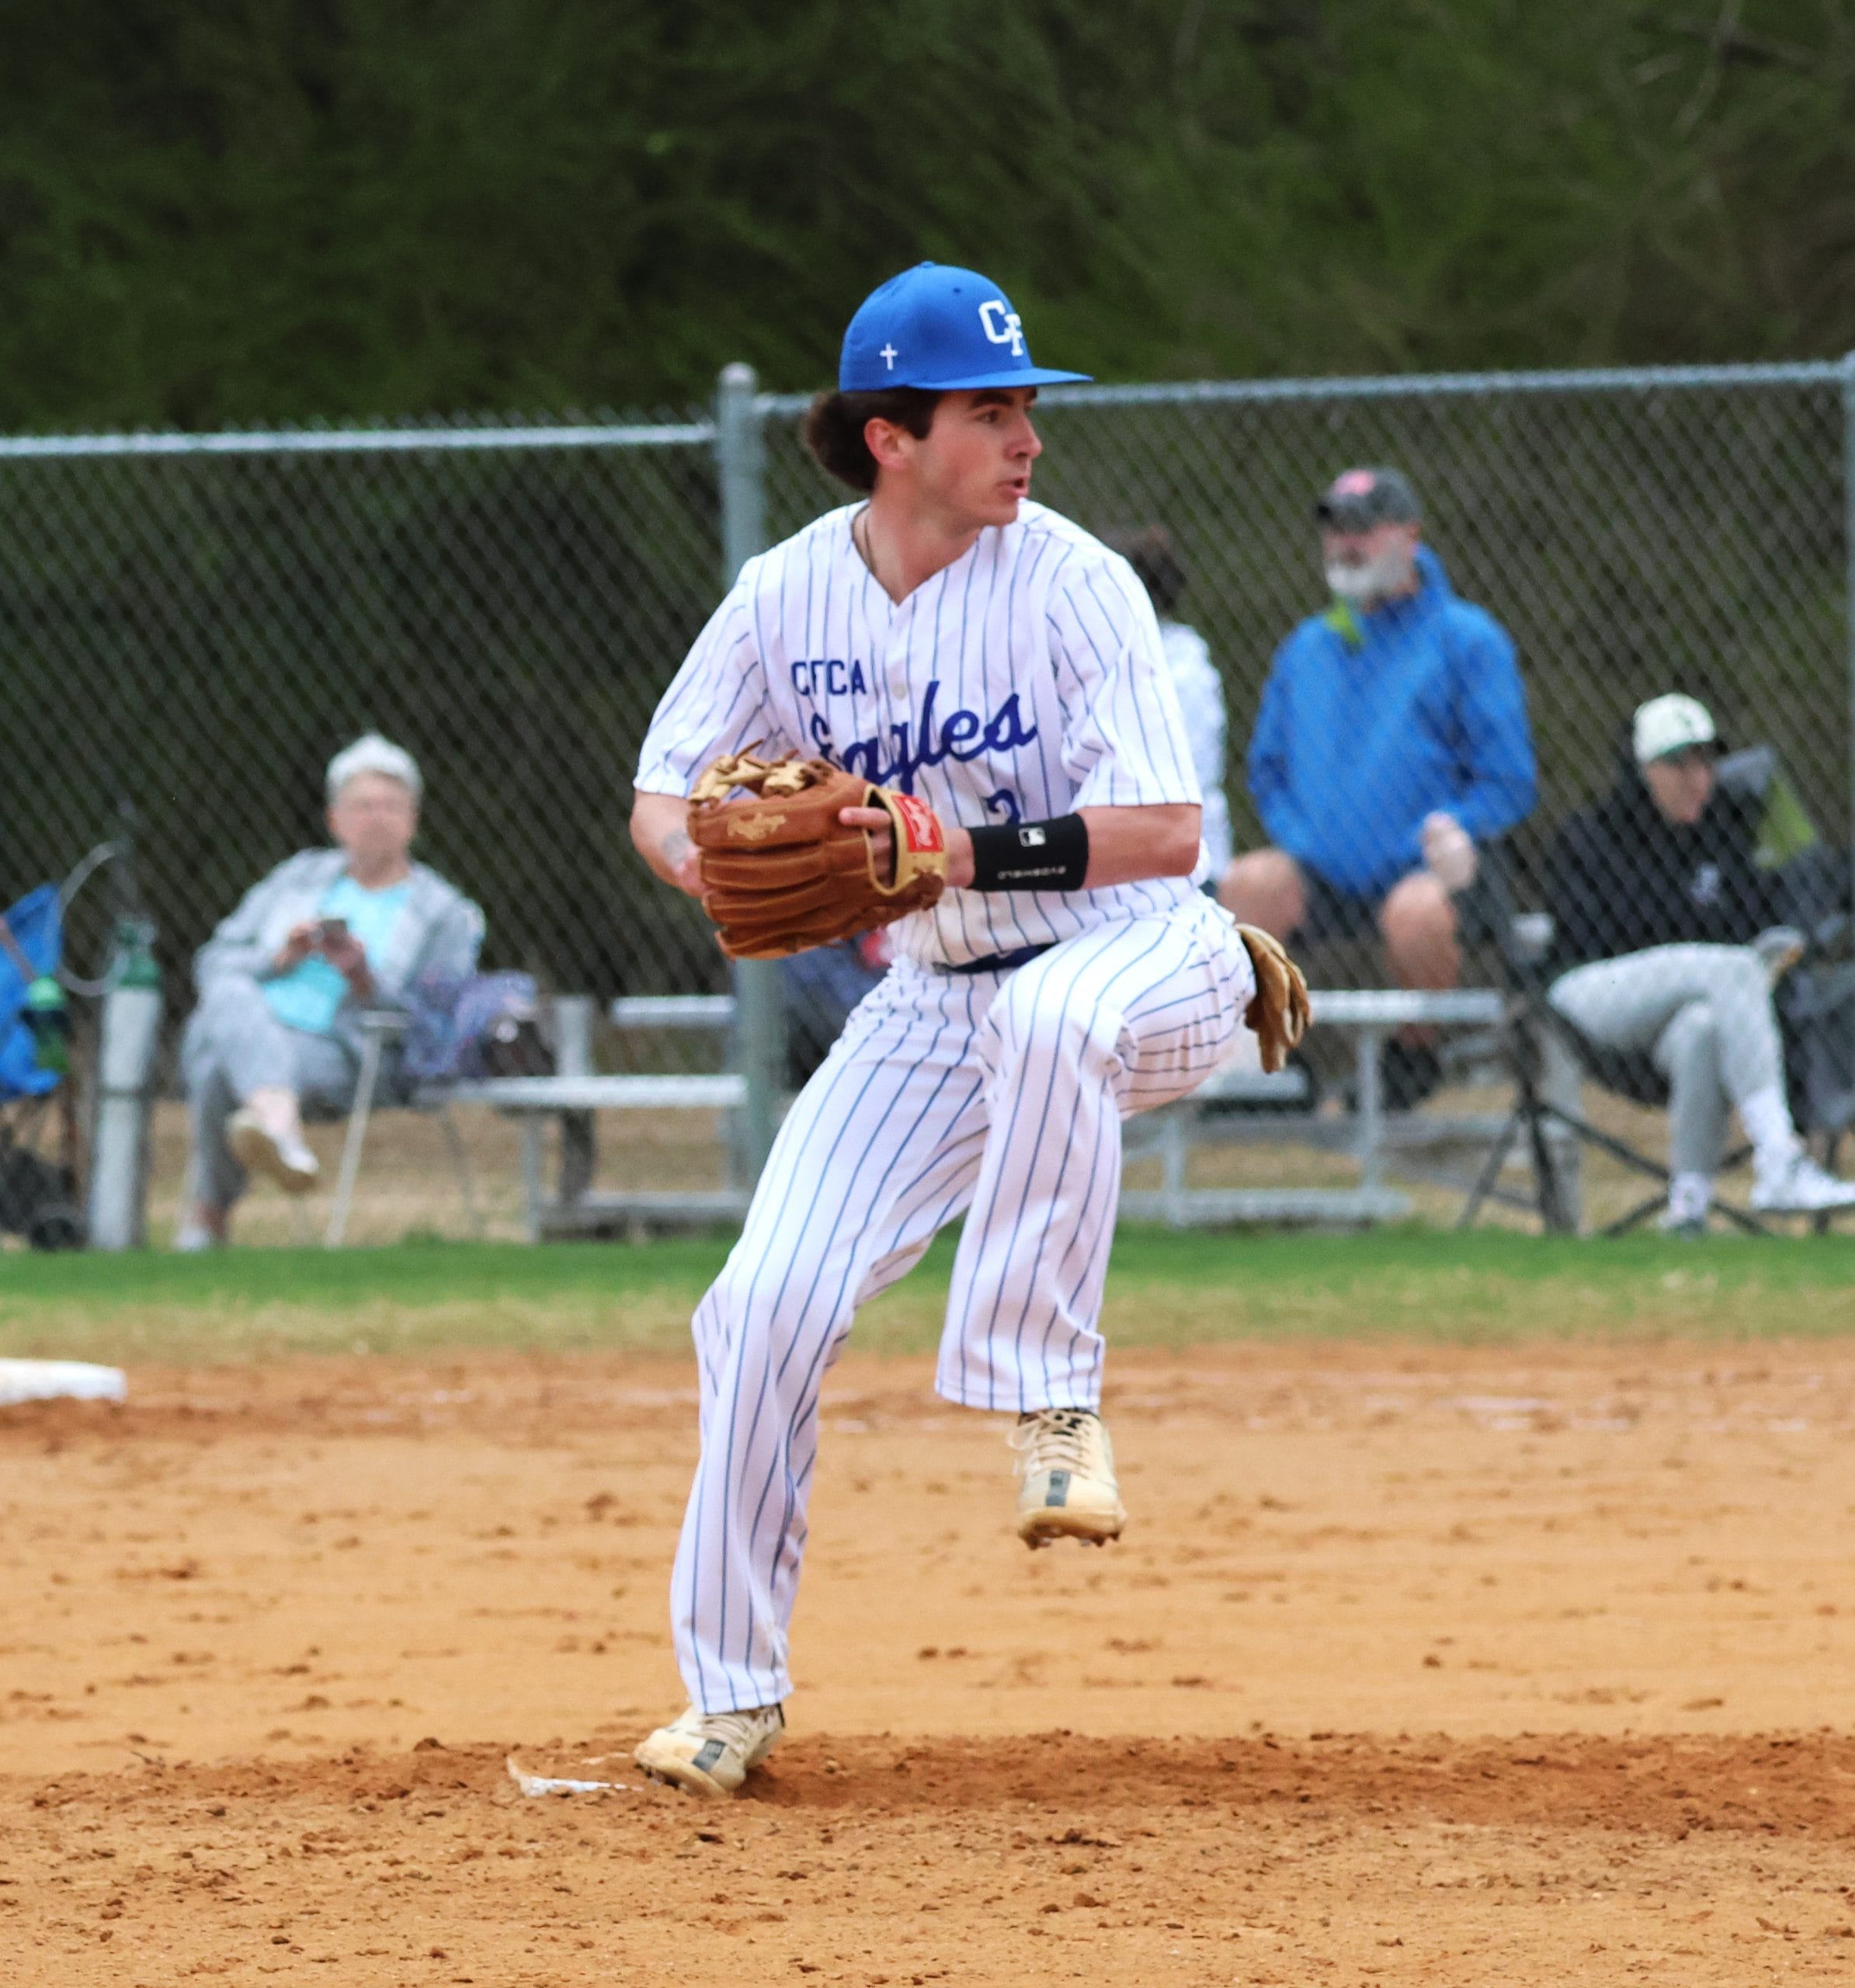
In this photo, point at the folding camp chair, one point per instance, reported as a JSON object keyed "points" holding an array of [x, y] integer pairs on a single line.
{"points": [[1815, 1009], [38, 1120]]}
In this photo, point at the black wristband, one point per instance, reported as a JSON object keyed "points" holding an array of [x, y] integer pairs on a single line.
{"points": [[1031, 855]]}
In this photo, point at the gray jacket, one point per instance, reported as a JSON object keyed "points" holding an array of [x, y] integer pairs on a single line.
{"points": [[440, 931]]}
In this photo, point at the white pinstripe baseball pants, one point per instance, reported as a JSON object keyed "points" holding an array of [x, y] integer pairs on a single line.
{"points": [[1001, 1094]]}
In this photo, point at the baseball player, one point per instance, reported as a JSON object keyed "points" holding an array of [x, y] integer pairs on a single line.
{"points": [[944, 637]]}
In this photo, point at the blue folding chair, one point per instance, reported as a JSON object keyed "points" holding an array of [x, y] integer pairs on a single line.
{"points": [[38, 1192]]}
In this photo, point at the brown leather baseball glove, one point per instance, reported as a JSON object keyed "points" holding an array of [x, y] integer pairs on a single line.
{"points": [[781, 873], [1280, 1011]]}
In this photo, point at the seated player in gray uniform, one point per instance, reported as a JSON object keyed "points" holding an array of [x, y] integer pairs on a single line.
{"points": [[1656, 899], [284, 981]]}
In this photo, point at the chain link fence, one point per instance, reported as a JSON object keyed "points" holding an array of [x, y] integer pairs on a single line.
{"points": [[192, 625], [1635, 532]]}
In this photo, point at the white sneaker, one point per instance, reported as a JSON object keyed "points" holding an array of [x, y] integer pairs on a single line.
{"points": [[1069, 1490], [1689, 1197], [287, 1161], [193, 1238], [1800, 1186], [711, 1753]]}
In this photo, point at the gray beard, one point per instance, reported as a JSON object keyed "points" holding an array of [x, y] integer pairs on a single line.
{"points": [[1359, 587]]}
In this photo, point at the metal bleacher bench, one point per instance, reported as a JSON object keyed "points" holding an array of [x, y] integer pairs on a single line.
{"points": [[569, 1099], [1373, 1138], [574, 1094], [575, 1207], [1369, 1133]]}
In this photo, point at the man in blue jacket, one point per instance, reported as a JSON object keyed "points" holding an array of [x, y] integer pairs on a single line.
{"points": [[1391, 741]]}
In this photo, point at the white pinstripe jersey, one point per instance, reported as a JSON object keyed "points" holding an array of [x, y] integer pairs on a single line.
{"points": [[1023, 681]]}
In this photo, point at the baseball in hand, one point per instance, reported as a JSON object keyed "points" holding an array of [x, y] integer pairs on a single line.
{"points": [[1449, 853]]}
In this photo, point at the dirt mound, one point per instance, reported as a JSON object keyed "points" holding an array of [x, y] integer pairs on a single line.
{"points": [[1789, 1785], [271, 1632], [874, 1860], [1793, 1786]]}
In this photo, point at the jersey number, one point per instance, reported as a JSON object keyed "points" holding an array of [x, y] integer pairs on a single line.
{"points": [[1005, 803]]}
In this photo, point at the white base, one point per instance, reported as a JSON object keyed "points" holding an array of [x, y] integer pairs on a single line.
{"points": [[535, 1785], [54, 1380]]}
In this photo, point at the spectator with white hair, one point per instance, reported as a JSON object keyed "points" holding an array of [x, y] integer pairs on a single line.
{"points": [[328, 935]]}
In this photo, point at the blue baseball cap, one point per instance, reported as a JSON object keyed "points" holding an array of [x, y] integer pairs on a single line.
{"points": [[941, 327]]}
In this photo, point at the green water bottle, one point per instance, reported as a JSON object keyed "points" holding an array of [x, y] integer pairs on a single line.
{"points": [[48, 1016], [134, 964]]}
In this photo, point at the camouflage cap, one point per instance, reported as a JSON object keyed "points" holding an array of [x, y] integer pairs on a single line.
{"points": [[1357, 499]]}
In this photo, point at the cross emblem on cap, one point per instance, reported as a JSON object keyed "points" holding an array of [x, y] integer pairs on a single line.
{"points": [[887, 356]]}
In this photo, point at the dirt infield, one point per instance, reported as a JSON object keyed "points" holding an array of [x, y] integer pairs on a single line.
{"points": [[1433, 1666]]}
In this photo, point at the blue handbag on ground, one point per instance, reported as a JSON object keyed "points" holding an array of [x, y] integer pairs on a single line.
{"points": [[487, 1025]]}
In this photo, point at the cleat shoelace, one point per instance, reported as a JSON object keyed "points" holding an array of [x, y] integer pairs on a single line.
{"points": [[742, 1730], [1058, 1439]]}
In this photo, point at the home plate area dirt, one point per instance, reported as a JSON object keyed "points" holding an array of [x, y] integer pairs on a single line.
{"points": [[1416, 1666]]}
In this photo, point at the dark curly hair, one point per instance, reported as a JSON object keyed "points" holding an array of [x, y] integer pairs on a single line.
{"points": [[835, 423]]}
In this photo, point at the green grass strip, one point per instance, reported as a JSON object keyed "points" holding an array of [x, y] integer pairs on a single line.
{"points": [[1165, 1288]]}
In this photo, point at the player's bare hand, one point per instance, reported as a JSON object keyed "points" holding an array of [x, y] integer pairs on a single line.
{"points": [[875, 823]]}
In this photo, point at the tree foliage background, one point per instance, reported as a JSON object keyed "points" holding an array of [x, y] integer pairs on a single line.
{"points": [[216, 211]]}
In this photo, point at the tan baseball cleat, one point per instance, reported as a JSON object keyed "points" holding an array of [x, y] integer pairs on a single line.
{"points": [[1068, 1465], [711, 1753]]}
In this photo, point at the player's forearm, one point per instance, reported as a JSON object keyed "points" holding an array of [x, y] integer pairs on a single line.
{"points": [[660, 833], [1128, 844]]}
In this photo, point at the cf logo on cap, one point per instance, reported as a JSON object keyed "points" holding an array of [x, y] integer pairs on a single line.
{"points": [[1002, 326]]}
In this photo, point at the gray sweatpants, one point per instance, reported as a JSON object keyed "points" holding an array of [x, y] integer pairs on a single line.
{"points": [[233, 1045], [1704, 1013]]}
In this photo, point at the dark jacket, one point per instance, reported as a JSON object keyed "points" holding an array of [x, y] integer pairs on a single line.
{"points": [[1621, 877]]}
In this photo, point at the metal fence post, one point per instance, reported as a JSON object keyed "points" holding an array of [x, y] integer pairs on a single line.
{"points": [[130, 1029], [760, 1023], [1847, 369], [1848, 533]]}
